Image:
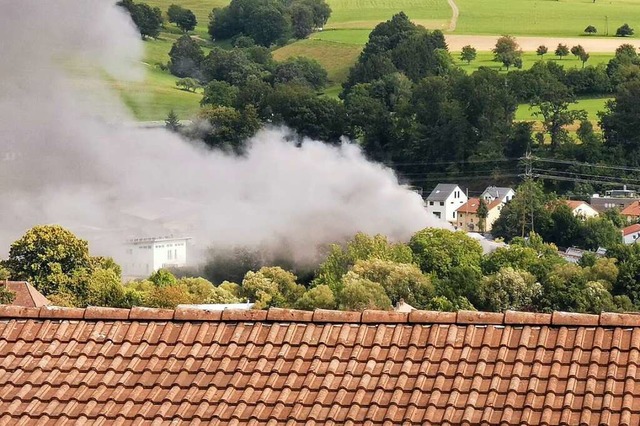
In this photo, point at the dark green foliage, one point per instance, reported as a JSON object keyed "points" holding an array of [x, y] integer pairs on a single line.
{"points": [[620, 123], [301, 70], [172, 122], [234, 66], [183, 18], [561, 51], [147, 19], [268, 21], [508, 52], [624, 31], [590, 30], [438, 251], [542, 50], [468, 54], [6, 296], [229, 128], [186, 58], [219, 93]]}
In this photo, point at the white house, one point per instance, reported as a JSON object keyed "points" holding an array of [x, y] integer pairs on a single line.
{"points": [[493, 193], [631, 233], [444, 200], [581, 209], [144, 256]]}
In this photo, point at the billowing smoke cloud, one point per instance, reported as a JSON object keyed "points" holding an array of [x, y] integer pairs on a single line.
{"points": [[62, 163]]}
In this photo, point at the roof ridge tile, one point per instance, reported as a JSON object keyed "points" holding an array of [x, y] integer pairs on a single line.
{"points": [[380, 317], [575, 319], [293, 315], [143, 313], [477, 317], [101, 312], [59, 312], [615, 319], [526, 318], [327, 315], [188, 313], [16, 311]]}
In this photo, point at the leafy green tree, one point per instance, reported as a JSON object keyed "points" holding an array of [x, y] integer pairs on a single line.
{"points": [[628, 279], [199, 288], [542, 50], [468, 54], [45, 250], [229, 128], [580, 53], [272, 287], [624, 31], [620, 123], [188, 84], [360, 293], [553, 109], [509, 289], [187, 21], [361, 247], [590, 30], [221, 295], [5, 274], [439, 250], [301, 70], [147, 19], [561, 51], [599, 232], [400, 281], [235, 66], [301, 20], [319, 297], [614, 216], [524, 213], [267, 25], [219, 93], [186, 58], [167, 296], [105, 289], [507, 51], [163, 278], [482, 213]]}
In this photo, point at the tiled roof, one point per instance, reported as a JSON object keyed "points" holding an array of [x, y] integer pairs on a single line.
{"points": [[442, 191], [279, 367], [632, 229], [574, 204], [632, 209], [496, 191], [472, 205], [26, 294]]}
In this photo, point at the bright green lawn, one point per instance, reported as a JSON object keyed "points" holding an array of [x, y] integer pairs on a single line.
{"points": [[592, 106], [545, 17], [369, 13], [485, 59]]}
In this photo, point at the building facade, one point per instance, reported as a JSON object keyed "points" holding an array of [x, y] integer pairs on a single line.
{"points": [[444, 200], [144, 256]]}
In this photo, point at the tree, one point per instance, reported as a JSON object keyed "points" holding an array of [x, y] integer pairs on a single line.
{"points": [[468, 54], [6, 296], [620, 123], [219, 93], [360, 247], [167, 296], [360, 293], [189, 84], [301, 70], [301, 20], [400, 281], [229, 128], [542, 50], [579, 52], [561, 51], [221, 295], [5, 274], [173, 12], [439, 250], [320, 297], [624, 31], [524, 213], [105, 289], [186, 58], [46, 250], [272, 287], [482, 213], [172, 122], [187, 21], [509, 289], [590, 30], [553, 108], [163, 277], [507, 51], [147, 19]]}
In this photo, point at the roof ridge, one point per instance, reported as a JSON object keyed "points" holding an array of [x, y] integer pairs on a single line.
{"points": [[93, 313]]}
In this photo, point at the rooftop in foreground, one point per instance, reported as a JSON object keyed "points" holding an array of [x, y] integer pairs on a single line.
{"points": [[192, 366]]}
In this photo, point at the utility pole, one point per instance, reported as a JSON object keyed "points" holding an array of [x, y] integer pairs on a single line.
{"points": [[606, 25]]}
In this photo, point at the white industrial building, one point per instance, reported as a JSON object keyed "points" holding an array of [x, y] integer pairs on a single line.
{"points": [[144, 256]]}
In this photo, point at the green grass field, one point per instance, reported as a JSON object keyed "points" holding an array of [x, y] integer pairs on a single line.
{"points": [[358, 14], [545, 17], [592, 105], [485, 59], [201, 8]]}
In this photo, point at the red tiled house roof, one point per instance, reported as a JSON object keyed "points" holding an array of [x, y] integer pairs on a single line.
{"points": [[26, 294], [280, 367], [632, 209], [631, 229]]}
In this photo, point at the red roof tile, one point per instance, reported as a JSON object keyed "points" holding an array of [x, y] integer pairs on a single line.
{"points": [[632, 229], [26, 294], [471, 206], [282, 367], [632, 209]]}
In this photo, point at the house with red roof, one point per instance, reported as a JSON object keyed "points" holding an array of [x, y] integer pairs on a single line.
{"points": [[631, 233], [632, 212], [106, 366], [467, 218]]}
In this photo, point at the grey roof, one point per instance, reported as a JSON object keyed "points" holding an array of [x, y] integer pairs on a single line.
{"points": [[496, 191], [442, 191]]}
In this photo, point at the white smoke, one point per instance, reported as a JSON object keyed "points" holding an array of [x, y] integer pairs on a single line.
{"points": [[60, 163]]}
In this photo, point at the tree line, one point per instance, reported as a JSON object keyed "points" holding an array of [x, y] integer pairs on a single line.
{"points": [[437, 269]]}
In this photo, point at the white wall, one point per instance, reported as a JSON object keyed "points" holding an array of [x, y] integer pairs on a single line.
{"points": [[145, 257], [446, 210], [631, 238]]}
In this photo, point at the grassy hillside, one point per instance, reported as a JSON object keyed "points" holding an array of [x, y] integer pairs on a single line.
{"points": [[201, 8], [545, 17]]}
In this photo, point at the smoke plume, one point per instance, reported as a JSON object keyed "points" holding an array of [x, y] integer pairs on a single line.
{"points": [[64, 159]]}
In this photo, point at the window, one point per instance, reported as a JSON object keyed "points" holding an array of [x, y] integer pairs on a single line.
{"points": [[454, 215], [430, 203], [169, 254], [437, 214], [442, 203], [175, 254]]}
